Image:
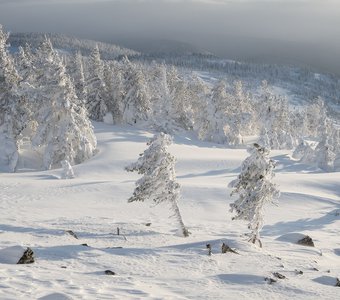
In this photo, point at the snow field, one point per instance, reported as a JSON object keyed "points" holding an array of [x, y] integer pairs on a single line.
{"points": [[155, 262]]}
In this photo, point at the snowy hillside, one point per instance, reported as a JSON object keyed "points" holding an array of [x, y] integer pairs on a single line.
{"points": [[155, 262], [71, 44]]}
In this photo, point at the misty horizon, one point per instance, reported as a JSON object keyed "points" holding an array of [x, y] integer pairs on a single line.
{"points": [[292, 32]]}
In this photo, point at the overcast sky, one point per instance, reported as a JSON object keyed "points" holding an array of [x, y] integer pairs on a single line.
{"points": [[301, 31]]}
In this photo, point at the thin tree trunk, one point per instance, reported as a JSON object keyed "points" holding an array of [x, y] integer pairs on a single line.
{"points": [[178, 216]]}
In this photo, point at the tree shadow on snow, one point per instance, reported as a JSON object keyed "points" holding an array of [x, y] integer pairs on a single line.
{"points": [[47, 177], [129, 251], [325, 280], [281, 228], [36, 231], [241, 279], [211, 173], [284, 163], [128, 136], [329, 217], [56, 253], [337, 252]]}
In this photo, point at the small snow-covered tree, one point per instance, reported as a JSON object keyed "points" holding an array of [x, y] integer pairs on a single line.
{"points": [[324, 155], [255, 189], [158, 183]]}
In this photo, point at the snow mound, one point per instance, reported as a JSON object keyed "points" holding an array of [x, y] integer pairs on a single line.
{"points": [[11, 255]]}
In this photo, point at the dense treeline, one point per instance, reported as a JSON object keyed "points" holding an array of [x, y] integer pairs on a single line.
{"points": [[47, 99]]}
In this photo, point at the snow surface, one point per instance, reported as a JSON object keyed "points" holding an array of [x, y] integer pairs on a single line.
{"points": [[155, 262]]}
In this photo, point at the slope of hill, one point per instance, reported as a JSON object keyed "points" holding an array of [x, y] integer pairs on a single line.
{"points": [[154, 262], [303, 85], [68, 43]]}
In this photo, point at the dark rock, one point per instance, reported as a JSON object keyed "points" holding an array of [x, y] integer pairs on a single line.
{"points": [[185, 232], [225, 248], [70, 232], [85, 245], [298, 272], [63, 267], [27, 257], [306, 241], [148, 224], [109, 272], [337, 282], [278, 275], [209, 249], [270, 280], [315, 269]]}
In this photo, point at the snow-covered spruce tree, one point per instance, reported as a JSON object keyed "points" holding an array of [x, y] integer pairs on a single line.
{"points": [[64, 131], [158, 183], [136, 103], [75, 69], [180, 107], [325, 151], [200, 105], [96, 91], [118, 92], [324, 155], [12, 109], [239, 115], [160, 98], [217, 109], [274, 115], [315, 118], [255, 189]]}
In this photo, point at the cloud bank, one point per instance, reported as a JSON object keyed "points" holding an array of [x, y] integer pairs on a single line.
{"points": [[297, 31]]}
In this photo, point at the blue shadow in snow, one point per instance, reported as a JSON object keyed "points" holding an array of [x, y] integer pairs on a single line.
{"points": [[281, 228], [285, 164], [210, 173], [241, 279]]}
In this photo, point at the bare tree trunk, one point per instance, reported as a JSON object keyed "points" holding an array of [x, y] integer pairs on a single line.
{"points": [[178, 216], [255, 239]]}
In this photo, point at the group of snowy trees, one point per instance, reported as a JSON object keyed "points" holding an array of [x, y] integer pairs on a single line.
{"points": [[44, 94], [47, 100], [254, 184], [323, 146], [38, 103], [163, 98]]}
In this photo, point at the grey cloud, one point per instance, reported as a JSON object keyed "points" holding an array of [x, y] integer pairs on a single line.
{"points": [[298, 31]]}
